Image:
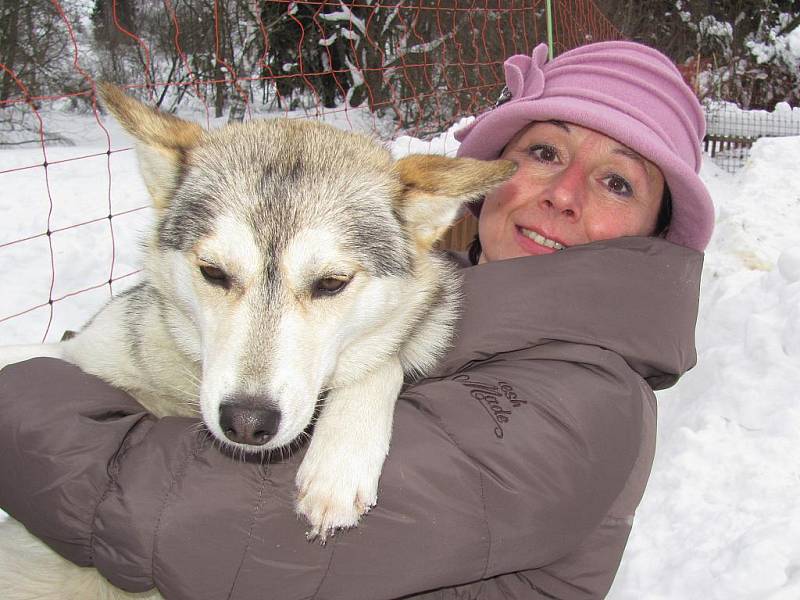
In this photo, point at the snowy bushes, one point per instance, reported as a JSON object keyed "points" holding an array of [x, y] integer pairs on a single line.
{"points": [[741, 51]]}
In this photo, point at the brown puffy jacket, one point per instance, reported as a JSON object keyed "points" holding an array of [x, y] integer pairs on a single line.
{"points": [[514, 470]]}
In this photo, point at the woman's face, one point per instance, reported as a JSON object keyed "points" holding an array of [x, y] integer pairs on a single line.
{"points": [[573, 186]]}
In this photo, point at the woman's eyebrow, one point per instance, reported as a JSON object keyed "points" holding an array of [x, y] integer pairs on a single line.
{"points": [[560, 124], [632, 155]]}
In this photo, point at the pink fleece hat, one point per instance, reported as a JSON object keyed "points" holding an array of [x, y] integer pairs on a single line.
{"points": [[624, 90]]}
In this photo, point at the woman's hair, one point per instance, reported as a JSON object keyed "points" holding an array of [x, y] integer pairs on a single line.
{"points": [[474, 250], [664, 214]]}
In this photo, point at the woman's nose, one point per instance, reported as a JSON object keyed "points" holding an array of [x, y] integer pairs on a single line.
{"points": [[566, 192]]}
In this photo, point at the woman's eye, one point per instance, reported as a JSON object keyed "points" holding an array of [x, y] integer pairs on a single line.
{"points": [[543, 153], [328, 286], [215, 276], [618, 185]]}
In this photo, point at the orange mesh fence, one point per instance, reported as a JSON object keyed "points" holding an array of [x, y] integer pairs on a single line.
{"points": [[579, 22], [391, 67]]}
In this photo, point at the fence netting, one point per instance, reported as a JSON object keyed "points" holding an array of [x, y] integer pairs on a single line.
{"points": [[731, 131], [68, 212]]}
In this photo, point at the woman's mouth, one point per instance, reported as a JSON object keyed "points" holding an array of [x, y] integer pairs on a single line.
{"points": [[541, 240]]}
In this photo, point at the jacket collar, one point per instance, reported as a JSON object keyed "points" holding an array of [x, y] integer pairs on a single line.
{"points": [[634, 296]]}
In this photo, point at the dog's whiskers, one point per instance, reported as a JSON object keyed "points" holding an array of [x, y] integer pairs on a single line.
{"points": [[192, 375], [200, 427], [187, 396], [204, 434]]}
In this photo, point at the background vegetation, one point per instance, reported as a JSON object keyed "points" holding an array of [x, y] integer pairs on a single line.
{"points": [[421, 62]]}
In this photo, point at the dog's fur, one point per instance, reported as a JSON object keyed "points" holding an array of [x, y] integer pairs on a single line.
{"points": [[289, 261]]}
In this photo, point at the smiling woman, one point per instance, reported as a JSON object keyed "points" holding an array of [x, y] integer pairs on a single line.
{"points": [[572, 186], [607, 140]]}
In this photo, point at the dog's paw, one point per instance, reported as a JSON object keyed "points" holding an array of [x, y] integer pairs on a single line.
{"points": [[333, 494]]}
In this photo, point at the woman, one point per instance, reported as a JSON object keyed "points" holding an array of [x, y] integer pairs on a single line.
{"points": [[515, 469]]}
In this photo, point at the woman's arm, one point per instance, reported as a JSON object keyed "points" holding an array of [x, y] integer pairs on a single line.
{"points": [[498, 469]]}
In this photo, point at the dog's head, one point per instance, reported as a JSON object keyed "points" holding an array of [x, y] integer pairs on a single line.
{"points": [[293, 251]]}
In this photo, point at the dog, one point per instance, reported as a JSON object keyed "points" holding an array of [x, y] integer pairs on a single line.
{"points": [[291, 276]]}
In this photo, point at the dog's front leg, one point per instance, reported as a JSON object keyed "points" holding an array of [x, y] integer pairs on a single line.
{"points": [[337, 481]]}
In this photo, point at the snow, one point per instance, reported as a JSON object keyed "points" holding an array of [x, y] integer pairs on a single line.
{"points": [[349, 34], [727, 119], [793, 42], [345, 15], [328, 41], [773, 44], [720, 518], [710, 26]]}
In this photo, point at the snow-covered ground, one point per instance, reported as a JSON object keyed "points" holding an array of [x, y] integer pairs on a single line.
{"points": [[720, 518]]}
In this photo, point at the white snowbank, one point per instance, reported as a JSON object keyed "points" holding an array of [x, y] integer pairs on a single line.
{"points": [[725, 118], [720, 519]]}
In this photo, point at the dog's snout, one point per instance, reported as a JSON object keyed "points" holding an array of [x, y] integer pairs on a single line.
{"points": [[249, 421]]}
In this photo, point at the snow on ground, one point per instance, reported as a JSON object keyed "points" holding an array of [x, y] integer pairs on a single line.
{"points": [[720, 517], [719, 520]]}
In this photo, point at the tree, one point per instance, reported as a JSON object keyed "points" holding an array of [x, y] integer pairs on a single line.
{"points": [[35, 45], [736, 50]]}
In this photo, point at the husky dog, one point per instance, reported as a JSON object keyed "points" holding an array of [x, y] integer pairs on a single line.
{"points": [[290, 262]]}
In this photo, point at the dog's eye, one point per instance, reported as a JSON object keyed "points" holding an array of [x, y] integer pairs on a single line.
{"points": [[215, 276], [328, 286]]}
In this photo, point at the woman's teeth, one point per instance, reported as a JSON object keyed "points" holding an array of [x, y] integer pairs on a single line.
{"points": [[541, 240]]}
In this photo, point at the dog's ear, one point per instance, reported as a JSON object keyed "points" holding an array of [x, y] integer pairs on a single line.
{"points": [[163, 141], [436, 186]]}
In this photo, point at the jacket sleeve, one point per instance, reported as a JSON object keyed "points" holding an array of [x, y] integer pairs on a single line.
{"points": [[497, 468]]}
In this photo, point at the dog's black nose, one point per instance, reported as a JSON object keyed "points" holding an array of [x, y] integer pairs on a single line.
{"points": [[248, 421]]}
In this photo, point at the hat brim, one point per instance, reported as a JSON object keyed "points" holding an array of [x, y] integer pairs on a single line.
{"points": [[692, 209]]}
